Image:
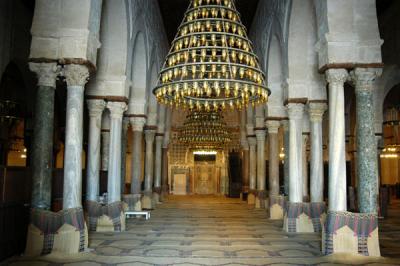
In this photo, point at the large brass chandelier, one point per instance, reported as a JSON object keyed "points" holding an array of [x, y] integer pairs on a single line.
{"points": [[211, 64], [204, 131]]}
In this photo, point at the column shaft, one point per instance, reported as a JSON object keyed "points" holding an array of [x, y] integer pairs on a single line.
{"points": [[124, 144], [305, 167], [245, 169], [96, 108], [148, 175], [114, 164], [316, 111], [253, 164], [337, 156], [76, 77], [136, 162], [367, 163], [273, 127], [260, 160], [286, 138], [158, 162], [42, 148], [295, 111]]}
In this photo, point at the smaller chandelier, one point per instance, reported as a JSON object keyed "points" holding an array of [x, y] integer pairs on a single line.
{"points": [[204, 131], [211, 64]]}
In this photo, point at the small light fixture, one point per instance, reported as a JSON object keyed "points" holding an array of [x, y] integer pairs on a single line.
{"points": [[205, 152]]}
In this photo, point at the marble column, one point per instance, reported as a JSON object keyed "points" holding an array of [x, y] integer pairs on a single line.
{"points": [[245, 168], [117, 110], [305, 137], [137, 124], [95, 108], [105, 139], [295, 112], [261, 193], [367, 163], [164, 172], [273, 127], [42, 147], [134, 198], [337, 148], [316, 111], [148, 171], [157, 167], [124, 144], [253, 169], [285, 125], [76, 77]]}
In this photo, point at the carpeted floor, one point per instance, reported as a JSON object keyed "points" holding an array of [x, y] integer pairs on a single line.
{"points": [[215, 231]]}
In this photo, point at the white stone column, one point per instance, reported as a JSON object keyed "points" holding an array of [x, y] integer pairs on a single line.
{"points": [[148, 171], [295, 112], [252, 169], [124, 144], [337, 148], [316, 111], [117, 110], [105, 139], [285, 125], [96, 108], [76, 77], [305, 138], [261, 193], [158, 166], [273, 127], [137, 124]]}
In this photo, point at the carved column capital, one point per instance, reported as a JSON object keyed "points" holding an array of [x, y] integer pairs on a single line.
{"points": [[252, 141], [285, 125], [76, 75], [260, 135], [117, 109], [316, 111], [336, 76], [137, 123], [96, 107], [149, 135], [46, 73], [273, 126], [295, 111], [363, 78]]}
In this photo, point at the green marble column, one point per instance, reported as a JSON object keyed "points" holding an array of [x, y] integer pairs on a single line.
{"points": [[367, 163], [42, 147]]}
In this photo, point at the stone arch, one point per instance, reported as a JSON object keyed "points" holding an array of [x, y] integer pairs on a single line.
{"points": [[301, 70], [274, 69], [112, 60], [138, 75], [151, 99]]}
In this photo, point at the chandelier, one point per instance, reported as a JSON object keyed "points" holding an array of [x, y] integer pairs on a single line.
{"points": [[211, 64], [204, 131]]}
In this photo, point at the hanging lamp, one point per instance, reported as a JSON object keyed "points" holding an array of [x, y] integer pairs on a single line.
{"points": [[205, 131], [211, 64]]}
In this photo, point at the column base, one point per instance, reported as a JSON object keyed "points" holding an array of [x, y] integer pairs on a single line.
{"points": [[105, 218], [63, 232], [260, 199], [147, 200], [302, 217], [251, 197], [133, 202], [354, 233], [276, 207], [156, 195]]}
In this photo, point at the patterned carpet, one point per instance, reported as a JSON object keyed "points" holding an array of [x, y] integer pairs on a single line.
{"points": [[215, 231]]}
